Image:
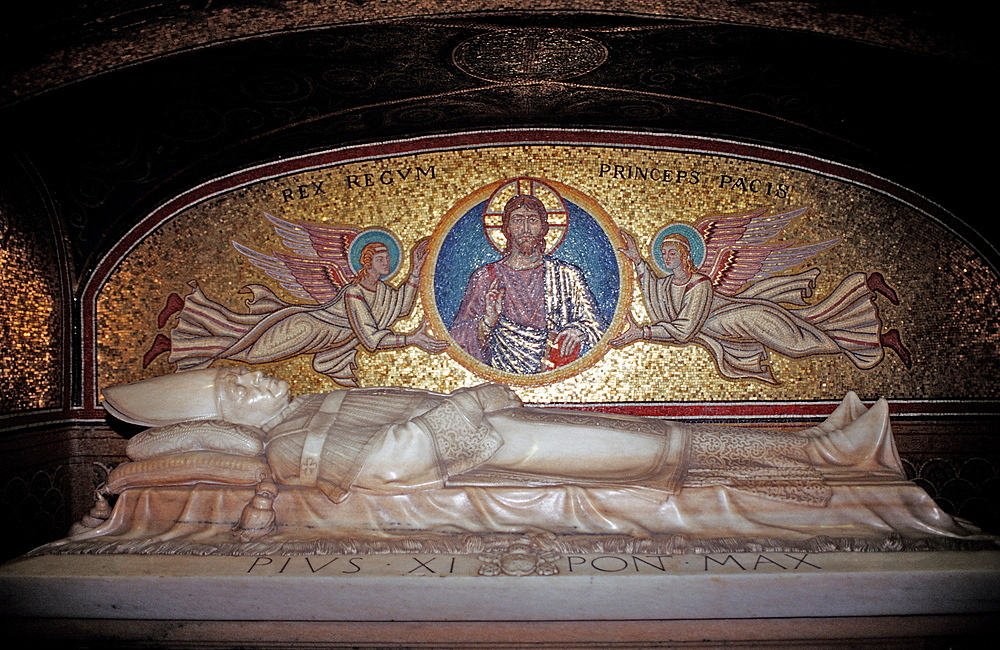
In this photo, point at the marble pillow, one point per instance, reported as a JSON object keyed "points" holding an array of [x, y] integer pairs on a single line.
{"points": [[202, 435], [188, 468]]}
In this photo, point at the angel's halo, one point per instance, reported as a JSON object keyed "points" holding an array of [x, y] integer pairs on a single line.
{"points": [[689, 233], [368, 236]]}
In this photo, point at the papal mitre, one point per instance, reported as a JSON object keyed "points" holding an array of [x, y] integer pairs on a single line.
{"points": [[163, 400]]}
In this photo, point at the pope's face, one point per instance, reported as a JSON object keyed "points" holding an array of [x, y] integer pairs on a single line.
{"points": [[249, 396], [524, 227]]}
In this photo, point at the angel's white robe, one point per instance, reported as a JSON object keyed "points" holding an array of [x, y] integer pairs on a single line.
{"points": [[274, 330], [739, 330]]}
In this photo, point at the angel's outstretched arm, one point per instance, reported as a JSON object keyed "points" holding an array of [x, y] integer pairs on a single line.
{"points": [[631, 250], [632, 333]]}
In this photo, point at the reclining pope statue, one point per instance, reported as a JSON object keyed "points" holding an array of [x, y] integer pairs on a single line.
{"points": [[399, 440]]}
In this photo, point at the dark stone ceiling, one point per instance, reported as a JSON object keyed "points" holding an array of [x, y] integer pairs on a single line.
{"points": [[110, 107]]}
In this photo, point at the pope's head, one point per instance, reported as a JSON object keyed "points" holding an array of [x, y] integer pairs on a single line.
{"points": [[237, 395]]}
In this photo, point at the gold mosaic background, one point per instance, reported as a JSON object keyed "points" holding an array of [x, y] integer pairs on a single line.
{"points": [[31, 344], [948, 313]]}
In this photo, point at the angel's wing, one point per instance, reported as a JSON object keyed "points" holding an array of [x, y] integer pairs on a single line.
{"points": [[320, 266], [739, 249]]}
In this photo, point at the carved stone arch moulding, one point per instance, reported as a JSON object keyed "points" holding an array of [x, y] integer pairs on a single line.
{"points": [[640, 273]]}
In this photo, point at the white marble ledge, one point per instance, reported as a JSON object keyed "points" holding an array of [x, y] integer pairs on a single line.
{"points": [[452, 588]]}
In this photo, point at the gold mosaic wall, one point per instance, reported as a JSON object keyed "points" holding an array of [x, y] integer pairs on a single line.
{"points": [[31, 344], [948, 299]]}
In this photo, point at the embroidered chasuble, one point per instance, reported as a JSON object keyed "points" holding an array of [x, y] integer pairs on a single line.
{"points": [[325, 439]]}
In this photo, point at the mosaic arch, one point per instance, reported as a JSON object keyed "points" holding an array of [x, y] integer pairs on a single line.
{"points": [[641, 269]]}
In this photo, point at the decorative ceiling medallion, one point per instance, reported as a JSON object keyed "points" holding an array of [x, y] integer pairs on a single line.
{"points": [[529, 55]]}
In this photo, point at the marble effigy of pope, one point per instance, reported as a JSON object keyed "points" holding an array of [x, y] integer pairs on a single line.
{"points": [[399, 440]]}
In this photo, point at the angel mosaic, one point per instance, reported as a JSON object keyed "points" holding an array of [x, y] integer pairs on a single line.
{"points": [[339, 269], [720, 288]]}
